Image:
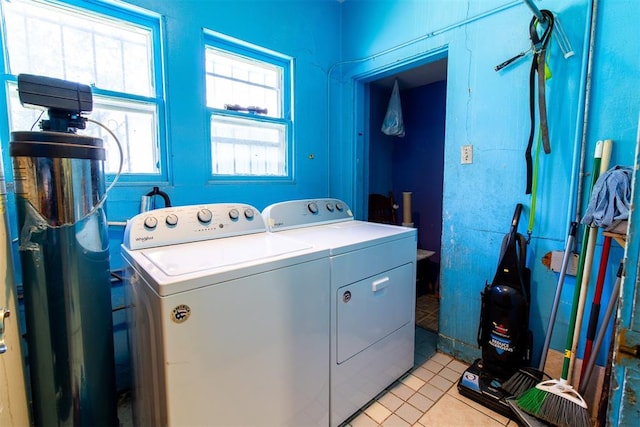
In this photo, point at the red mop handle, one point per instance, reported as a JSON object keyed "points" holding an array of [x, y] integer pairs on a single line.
{"points": [[595, 305]]}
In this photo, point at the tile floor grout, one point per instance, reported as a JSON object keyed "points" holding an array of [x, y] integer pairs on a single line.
{"points": [[427, 311], [427, 396]]}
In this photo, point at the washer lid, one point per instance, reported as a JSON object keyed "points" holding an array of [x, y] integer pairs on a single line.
{"points": [[220, 254], [173, 269], [347, 236]]}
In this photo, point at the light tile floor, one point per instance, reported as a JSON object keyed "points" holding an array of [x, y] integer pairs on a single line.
{"points": [[427, 396], [427, 311]]}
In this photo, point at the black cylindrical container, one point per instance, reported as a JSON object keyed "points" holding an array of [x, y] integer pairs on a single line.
{"points": [[64, 252]]}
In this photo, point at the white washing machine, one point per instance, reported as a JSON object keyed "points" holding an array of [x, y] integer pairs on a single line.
{"points": [[228, 324], [373, 270]]}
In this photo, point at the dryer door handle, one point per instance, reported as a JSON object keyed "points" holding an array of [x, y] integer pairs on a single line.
{"points": [[380, 284]]}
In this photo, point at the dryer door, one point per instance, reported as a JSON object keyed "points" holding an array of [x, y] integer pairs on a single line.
{"points": [[371, 309]]}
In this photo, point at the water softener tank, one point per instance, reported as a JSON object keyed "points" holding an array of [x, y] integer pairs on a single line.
{"points": [[64, 252]]}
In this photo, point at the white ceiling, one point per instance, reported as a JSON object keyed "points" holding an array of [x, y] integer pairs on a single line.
{"points": [[415, 77]]}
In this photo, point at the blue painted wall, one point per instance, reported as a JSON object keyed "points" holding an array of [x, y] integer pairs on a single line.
{"points": [[291, 27], [414, 162], [418, 160], [340, 46], [381, 146], [489, 110]]}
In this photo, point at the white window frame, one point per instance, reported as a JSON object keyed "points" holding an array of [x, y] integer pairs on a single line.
{"points": [[282, 121]]}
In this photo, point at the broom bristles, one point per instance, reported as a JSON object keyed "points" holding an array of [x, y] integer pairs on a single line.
{"points": [[562, 412], [521, 381], [557, 403], [531, 401]]}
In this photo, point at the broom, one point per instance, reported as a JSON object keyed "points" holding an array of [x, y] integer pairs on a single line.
{"points": [[527, 378], [555, 401]]}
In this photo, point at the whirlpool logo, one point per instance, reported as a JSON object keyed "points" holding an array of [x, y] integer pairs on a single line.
{"points": [[144, 238]]}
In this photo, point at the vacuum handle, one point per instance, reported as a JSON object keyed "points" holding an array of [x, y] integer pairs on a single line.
{"points": [[511, 237], [516, 218]]}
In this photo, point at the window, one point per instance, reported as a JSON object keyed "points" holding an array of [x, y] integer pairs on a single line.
{"points": [[249, 104], [114, 49]]}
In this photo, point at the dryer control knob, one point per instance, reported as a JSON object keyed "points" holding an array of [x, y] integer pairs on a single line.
{"points": [[313, 208], [234, 214], [150, 222], [330, 207], [248, 213], [171, 219], [204, 215], [340, 206]]}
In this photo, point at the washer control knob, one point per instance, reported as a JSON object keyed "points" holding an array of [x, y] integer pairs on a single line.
{"points": [[150, 222], [171, 219], [313, 207], [248, 213], [340, 206], [330, 207], [234, 214], [204, 215]]}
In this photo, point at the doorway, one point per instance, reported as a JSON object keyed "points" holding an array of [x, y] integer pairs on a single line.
{"points": [[413, 163]]}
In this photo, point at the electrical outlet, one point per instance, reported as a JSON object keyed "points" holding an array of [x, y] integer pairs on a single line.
{"points": [[466, 154]]}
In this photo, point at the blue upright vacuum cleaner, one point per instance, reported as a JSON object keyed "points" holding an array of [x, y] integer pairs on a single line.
{"points": [[503, 333]]}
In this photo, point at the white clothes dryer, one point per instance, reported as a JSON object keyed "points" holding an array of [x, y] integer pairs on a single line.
{"points": [[228, 324], [373, 270]]}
